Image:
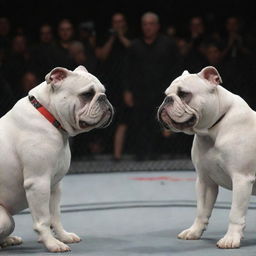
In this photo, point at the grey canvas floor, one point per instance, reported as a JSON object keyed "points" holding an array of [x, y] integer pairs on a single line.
{"points": [[136, 214]]}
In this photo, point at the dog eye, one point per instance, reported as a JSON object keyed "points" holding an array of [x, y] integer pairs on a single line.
{"points": [[183, 94], [88, 95]]}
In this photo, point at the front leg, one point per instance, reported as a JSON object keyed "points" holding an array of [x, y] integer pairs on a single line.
{"points": [[207, 192], [61, 234], [38, 197], [242, 189]]}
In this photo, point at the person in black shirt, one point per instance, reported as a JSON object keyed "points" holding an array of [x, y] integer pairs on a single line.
{"points": [[78, 55], [19, 61], [5, 40], [66, 36], [151, 64], [111, 52], [87, 36], [7, 98], [46, 54]]}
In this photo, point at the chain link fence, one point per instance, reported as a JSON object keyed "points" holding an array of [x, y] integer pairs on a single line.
{"points": [[102, 165]]}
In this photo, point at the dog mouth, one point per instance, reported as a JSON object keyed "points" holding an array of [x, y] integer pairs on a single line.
{"points": [[83, 124], [107, 122], [169, 122], [189, 123]]}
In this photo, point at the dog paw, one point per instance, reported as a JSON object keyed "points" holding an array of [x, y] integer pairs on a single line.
{"points": [[10, 241], [190, 234], [69, 238], [54, 245], [229, 241]]}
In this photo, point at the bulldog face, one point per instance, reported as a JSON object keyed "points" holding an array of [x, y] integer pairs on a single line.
{"points": [[79, 100], [191, 102]]}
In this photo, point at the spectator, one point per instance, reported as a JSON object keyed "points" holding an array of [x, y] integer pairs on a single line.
{"points": [[197, 32], [4, 28], [183, 48], [171, 31], [28, 81], [4, 38], [234, 42], [18, 63], [7, 98], [192, 47], [66, 37], [65, 33], [46, 34], [213, 54], [77, 53], [46, 55], [117, 37], [189, 59], [111, 52], [87, 35], [235, 74], [151, 65]]}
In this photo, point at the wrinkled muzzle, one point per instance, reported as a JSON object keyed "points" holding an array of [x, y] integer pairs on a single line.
{"points": [[98, 114], [108, 116], [175, 114]]}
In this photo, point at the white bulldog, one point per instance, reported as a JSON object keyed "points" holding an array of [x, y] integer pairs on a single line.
{"points": [[224, 148], [35, 153]]}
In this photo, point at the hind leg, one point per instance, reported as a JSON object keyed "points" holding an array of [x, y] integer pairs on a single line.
{"points": [[6, 228]]}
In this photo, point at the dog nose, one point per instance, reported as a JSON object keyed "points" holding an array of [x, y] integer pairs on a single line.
{"points": [[168, 100], [102, 97]]}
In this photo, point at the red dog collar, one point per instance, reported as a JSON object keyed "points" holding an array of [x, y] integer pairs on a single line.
{"points": [[45, 113]]}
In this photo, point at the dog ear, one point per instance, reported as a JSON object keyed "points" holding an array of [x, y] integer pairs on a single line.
{"points": [[56, 76], [185, 72], [211, 74], [81, 69]]}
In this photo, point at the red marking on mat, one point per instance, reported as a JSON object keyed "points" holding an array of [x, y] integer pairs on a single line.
{"points": [[166, 178]]}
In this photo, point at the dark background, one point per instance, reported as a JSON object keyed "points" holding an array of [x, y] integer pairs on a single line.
{"points": [[31, 14]]}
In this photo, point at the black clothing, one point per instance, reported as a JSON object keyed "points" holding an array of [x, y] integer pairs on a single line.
{"points": [[13, 70], [91, 62], [47, 56], [150, 68], [7, 99], [111, 70]]}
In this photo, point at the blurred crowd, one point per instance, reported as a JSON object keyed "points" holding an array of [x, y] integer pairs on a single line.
{"points": [[135, 68]]}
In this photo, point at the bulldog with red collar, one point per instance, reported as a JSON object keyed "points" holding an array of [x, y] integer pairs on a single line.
{"points": [[35, 153], [224, 148]]}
